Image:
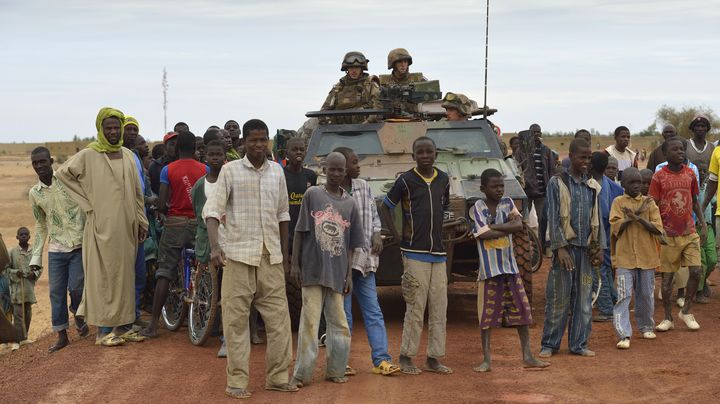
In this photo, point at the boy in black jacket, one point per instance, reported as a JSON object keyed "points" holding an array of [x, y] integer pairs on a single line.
{"points": [[423, 193]]}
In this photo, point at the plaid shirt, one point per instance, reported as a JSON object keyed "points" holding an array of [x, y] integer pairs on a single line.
{"points": [[254, 202], [363, 260]]}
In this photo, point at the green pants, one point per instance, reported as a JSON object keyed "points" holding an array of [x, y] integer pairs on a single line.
{"points": [[708, 255]]}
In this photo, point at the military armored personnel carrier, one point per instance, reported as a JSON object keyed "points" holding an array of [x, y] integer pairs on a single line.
{"points": [[465, 150]]}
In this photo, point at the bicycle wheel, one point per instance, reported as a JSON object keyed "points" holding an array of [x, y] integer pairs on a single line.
{"points": [[175, 308], [204, 305], [536, 250]]}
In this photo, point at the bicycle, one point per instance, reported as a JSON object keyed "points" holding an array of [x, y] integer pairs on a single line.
{"points": [[204, 303], [176, 305]]}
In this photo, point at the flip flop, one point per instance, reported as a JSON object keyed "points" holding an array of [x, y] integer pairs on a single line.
{"points": [[237, 393], [339, 380], [350, 371], [285, 388], [441, 369]]}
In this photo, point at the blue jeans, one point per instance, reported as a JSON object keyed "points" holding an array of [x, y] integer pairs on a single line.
{"points": [[607, 295], [140, 277], [641, 283], [65, 274], [569, 293], [365, 292]]}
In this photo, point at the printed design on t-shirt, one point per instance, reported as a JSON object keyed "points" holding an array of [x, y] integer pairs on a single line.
{"points": [[330, 229], [295, 198], [678, 204], [188, 187]]}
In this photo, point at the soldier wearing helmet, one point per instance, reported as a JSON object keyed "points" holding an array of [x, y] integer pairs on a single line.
{"points": [[399, 60], [457, 107], [356, 90]]}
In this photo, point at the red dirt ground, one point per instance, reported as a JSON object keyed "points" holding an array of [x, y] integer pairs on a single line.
{"points": [[678, 365]]}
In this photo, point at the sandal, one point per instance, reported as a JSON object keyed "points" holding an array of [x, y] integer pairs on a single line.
{"points": [[441, 369], [350, 371], [410, 370], [385, 368], [237, 393], [110, 340], [132, 336], [285, 388], [338, 380]]}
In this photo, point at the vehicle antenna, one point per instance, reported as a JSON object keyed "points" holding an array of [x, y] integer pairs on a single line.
{"points": [[165, 102], [487, 32]]}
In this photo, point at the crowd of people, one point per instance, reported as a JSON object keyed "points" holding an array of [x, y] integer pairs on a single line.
{"points": [[116, 205], [610, 226]]}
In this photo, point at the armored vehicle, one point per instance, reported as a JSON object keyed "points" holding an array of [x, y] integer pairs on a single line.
{"points": [[465, 150]]}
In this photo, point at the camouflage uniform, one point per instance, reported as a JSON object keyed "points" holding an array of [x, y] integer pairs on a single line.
{"points": [[459, 102], [360, 93], [394, 56], [395, 78]]}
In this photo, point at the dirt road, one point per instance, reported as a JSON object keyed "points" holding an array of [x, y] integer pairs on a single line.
{"points": [[678, 365]]}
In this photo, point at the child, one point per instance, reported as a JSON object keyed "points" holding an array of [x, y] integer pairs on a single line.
{"points": [[327, 231], [177, 180], [634, 221], [675, 189], [215, 158], [501, 297], [646, 176], [576, 237], [365, 263], [708, 253], [22, 285], [424, 195], [611, 171], [298, 179]]}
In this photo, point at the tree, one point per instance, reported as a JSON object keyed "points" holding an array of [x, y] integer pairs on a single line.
{"points": [[681, 118], [649, 131]]}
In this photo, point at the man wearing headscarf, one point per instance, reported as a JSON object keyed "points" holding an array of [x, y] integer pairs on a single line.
{"points": [[103, 179], [131, 129]]}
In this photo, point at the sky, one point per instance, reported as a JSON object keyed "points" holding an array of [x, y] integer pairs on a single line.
{"points": [[565, 64]]}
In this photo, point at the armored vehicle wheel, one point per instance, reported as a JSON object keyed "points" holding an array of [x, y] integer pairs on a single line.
{"points": [[523, 248], [294, 298]]}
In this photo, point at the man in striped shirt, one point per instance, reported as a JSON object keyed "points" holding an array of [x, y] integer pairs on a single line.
{"points": [[501, 295]]}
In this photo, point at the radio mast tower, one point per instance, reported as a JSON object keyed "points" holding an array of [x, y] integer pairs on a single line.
{"points": [[165, 90]]}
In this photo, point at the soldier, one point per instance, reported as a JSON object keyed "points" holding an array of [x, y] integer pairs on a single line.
{"points": [[399, 60], [457, 107], [356, 90]]}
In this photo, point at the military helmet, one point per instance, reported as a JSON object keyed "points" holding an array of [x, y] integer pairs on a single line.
{"points": [[397, 55], [458, 101], [354, 58]]}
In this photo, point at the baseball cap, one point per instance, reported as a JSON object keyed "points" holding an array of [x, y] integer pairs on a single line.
{"points": [[169, 136]]}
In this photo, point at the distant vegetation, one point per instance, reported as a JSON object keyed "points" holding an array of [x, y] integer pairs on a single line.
{"points": [[680, 117]]}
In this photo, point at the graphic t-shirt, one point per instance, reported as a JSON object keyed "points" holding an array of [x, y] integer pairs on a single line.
{"points": [[180, 176], [297, 184], [332, 227], [674, 191]]}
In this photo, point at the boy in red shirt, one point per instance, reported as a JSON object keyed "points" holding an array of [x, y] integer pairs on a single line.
{"points": [[176, 182], [675, 190]]}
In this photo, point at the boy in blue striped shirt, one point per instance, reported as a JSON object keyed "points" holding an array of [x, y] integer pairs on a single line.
{"points": [[501, 296]]}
